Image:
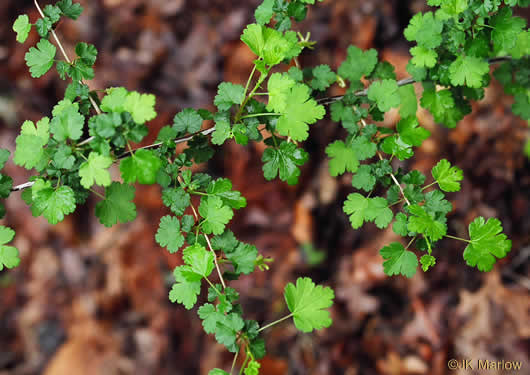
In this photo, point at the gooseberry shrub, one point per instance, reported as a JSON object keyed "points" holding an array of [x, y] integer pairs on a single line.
{"points": [[454, 47]]}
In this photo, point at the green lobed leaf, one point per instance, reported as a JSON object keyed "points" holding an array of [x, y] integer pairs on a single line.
{"points": [[143, 166], [468, 71], [215, 214], [95, 170], [398, 260], [168, 234], [176, 199], [222, 188], [140, 106], [279, 88], [323, 77], [506, 29], [52, 203], [284, 161], [421, 221], [361, 209], [358, 63], [9, 255], [229, 94], [22, 27], [300, 111], [117, 205], [486, 243], [447, 176], [425, 30], [67, 122], [184, 290], [40, 59], [308, 303], [385, 94], [70, 9], [343, 158], [187, 121], [364, 179], [30, 152], [411, 132]]}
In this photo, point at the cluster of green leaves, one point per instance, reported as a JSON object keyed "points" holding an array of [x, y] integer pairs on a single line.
{"points": [[9, 255], [73, 149]]}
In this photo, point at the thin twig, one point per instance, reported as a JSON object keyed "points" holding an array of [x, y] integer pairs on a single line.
{"points": [[63, 51], [323, 101], [403, 82], [391, 174], [209, 243]]}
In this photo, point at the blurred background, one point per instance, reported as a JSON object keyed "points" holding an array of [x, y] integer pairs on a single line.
{"points": [[92, 300]]}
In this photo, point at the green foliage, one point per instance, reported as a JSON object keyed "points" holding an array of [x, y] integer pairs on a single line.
{"points": [[308, 303], [398, 260], [117, 205], [40, 59], [143, 166], [168, 234], [300, 111], [485, 243], [9, 256], [358, 63], [363, 209], [385, 94], [22, 27], [215, 214], [95, 170], [446, 176], [284, 161], [30, 152], [454, 48]]}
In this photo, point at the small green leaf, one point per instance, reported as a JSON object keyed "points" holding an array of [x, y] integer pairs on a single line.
{"points": [[176, 199], [9, 255], [423, 57], [398, 260], [117, 205], [95, 170], [323, 77], [468, 71], [229, 94], [140, 106], [427, 261], [308, 303], [410, 131], [446, 176], [385, 94], [300, 111], [40, 59], [486, 243], [187, 121], [185, 289], [284, 161], [216, 215], [70, 9], [343, 158], [421, 222], [358, 63], [425, 29], [52, 203], [364, 179], [30, 152], [67, 122], [222, 188], [22, 27], [143, 166], [168, 234]]}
